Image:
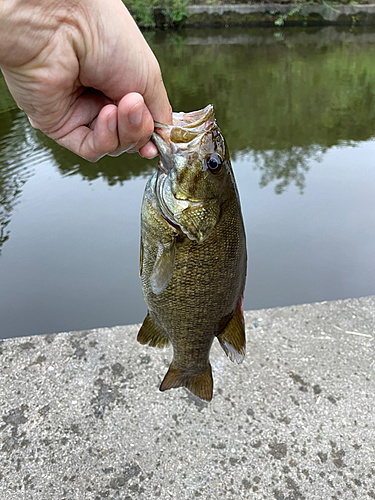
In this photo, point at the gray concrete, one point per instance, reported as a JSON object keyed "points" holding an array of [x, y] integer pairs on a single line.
{"points": [[264, 14], [81, 416], [328, 11]]}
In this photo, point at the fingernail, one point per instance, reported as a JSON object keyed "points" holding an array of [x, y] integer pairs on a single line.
{"points": [[112, 122], [136, 114]]}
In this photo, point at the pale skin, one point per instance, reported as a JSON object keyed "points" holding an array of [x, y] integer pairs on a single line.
{"points": [[84, 75]]}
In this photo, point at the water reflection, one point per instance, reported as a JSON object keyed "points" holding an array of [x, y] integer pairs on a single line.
{"points": [[19, 149], [285, 102], [113, 170], [286, 166], [285, 97]]}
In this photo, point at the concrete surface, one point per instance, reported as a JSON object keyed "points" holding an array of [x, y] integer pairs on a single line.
{"points": [[265, 14], [81, 416]]}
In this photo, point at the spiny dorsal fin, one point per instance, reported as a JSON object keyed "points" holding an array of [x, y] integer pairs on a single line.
{"points": [[151, 334], [232, 338], [200, 384]]}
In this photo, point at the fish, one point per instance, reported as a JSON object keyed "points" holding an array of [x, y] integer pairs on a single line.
{"points": [[193, 251]]}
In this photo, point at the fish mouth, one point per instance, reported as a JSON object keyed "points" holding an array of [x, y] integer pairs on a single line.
{"points": [[166, 151], [182, 136], [195, 120]]}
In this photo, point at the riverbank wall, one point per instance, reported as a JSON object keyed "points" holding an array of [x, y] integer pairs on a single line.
{"points": [[81, 415], [277, 14]]}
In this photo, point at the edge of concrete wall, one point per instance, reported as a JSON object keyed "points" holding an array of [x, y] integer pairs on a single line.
{"points": [[275, 14], [81, 416]]}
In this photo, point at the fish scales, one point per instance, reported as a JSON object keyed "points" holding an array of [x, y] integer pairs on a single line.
{"points": [[193, 279]]}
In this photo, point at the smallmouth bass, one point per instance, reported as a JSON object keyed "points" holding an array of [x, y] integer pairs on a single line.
{"points": [[193, 251]]}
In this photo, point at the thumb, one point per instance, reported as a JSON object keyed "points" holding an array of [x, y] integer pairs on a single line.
{"points": [[156, 98]]}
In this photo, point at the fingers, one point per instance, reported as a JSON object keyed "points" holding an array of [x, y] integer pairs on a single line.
{"points": [[155, 95], [135, 124], [96, 128], [149, 151], [92, 144], [115, 129], [157, 102]]}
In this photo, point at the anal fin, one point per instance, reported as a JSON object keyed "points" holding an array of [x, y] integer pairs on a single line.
{"points": [[200, 384], [232, 339], [151, 334]]}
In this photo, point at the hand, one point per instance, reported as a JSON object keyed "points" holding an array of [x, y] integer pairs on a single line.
{"points": [[84, 75]]}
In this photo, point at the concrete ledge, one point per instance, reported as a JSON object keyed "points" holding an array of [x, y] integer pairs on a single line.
{"points": [[81, 416], [290, 14]]}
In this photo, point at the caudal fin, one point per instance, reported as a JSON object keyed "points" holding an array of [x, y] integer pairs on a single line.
{"points": [[200, 384]]}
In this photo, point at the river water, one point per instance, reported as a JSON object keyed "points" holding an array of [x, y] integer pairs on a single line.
{"points": [[297, 107]]}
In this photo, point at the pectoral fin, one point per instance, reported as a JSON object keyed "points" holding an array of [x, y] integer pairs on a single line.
{"points": [[151, 334], [163, 268], [232, 338], [200, 384], [198, 222]]}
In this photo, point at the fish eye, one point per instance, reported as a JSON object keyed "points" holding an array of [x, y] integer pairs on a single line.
{"points": [[213, 162]]}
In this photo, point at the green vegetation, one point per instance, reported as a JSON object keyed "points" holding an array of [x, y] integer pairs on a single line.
{"points": [[6, 100], [14, 139], [143, 12], [173, 13], [151, 13], [281, 99], [274, 95], [280, 21], [282, 103]]}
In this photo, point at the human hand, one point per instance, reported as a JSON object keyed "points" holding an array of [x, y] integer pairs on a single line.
{"points": [[84, 75]]}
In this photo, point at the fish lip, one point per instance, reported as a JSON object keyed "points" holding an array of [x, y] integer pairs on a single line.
{"points": [[193, 124], [199, 120], [165, 148], [160, 144]]}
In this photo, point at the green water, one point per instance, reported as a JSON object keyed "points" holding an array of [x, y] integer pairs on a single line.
{"points": [[297, 109]]}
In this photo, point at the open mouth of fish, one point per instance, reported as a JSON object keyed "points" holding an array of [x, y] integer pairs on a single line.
{"points": [[184, 134]]}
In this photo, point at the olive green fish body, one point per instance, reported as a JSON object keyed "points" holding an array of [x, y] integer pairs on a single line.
{"points": [[193, 258]]}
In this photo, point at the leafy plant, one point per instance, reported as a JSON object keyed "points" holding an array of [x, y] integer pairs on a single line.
{"points": [[143, 12], [174, 11], [330, 6], [284, 17]]}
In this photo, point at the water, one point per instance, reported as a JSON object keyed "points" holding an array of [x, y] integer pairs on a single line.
{"points": [[297, 108]]}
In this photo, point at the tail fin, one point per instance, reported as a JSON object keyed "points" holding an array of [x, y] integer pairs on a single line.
{"points": [[200, 384]]}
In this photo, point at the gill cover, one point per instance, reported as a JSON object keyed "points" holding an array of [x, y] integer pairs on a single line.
{"points": [[187, 192]]}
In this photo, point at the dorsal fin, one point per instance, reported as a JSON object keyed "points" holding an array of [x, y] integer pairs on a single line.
{"points": [[151, 334], [200, 384], [232, 339]]}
